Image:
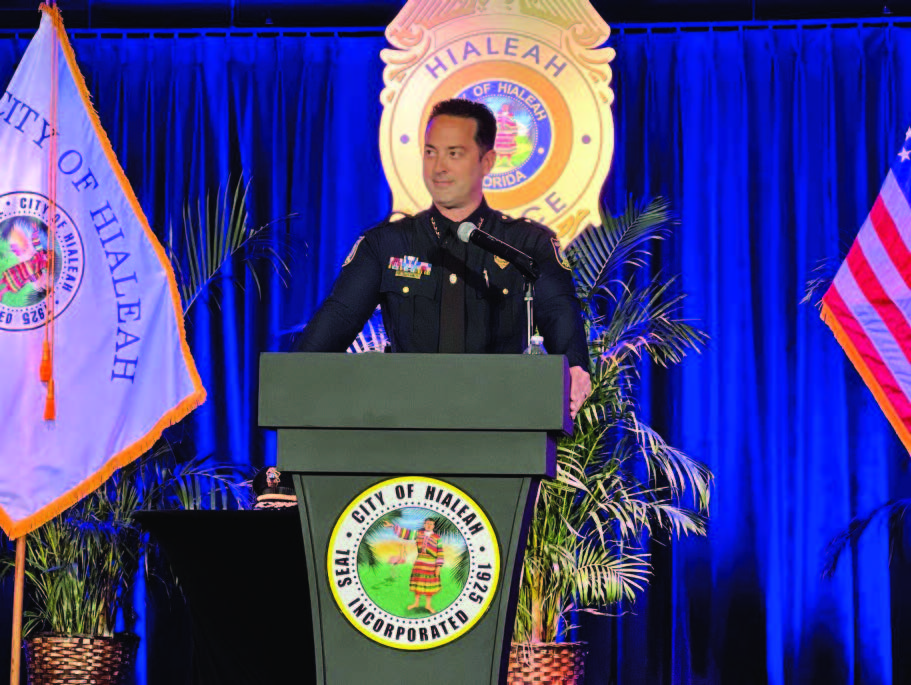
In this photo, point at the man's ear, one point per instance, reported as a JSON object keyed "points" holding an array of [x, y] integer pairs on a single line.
{"points": [[488, 160]]}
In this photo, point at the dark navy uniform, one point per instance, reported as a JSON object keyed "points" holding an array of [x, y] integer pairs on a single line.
{"points": [[404, 266]]}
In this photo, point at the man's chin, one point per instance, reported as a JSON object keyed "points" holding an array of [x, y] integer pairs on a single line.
{"points": [[446, 202]]}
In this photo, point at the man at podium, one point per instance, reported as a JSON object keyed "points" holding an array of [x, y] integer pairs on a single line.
{"points": [[440, 294]]}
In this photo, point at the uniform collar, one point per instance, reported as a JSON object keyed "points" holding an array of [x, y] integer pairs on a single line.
{"points": [[445, 226]]}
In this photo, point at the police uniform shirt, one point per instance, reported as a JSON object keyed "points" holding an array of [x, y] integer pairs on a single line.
{"points": [[401, 266], [452, 259]]}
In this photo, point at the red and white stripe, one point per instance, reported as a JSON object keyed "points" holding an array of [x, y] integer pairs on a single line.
{"points": [[868, 305]]}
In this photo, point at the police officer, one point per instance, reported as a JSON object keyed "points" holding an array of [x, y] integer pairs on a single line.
{"points": [[439, 294]]}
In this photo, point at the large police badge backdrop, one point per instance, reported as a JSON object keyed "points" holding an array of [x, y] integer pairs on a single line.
{"points": [[542, 70]]}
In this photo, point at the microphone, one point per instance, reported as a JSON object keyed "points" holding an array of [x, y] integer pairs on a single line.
{"points": [[469, 233]]}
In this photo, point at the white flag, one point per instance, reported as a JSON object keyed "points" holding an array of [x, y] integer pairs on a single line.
{"points": [[121, 367]]}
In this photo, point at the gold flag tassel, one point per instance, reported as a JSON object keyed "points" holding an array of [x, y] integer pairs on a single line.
{"points": [[50, 404], [45, 361], [46, 372]]}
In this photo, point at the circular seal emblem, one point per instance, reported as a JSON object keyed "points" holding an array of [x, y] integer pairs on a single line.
{"points": [[524, 133], [25, 261], [413, 563]]}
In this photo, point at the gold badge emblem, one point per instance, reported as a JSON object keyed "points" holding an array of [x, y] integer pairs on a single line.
{"points": [[500, 262], [539, 68]]}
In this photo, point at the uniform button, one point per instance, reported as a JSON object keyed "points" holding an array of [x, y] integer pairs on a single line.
{"points": [[405, 289], [506, 291], [453, 278]]}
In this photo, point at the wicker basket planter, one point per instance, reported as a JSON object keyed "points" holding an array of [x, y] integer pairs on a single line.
{"points": [[53, 659], [560, 664]]}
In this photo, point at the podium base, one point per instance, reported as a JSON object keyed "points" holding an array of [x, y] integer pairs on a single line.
{"points": [[345, 653]]}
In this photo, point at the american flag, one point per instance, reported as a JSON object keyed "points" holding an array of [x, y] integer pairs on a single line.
{"points": [[868, 305]]}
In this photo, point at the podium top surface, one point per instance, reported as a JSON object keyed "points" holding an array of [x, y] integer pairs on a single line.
{"points": [[415, 391]]}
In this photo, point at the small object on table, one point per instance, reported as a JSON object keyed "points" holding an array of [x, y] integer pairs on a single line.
{"points": [[272, 490]]}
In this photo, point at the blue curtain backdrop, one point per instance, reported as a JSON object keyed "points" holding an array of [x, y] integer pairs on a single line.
{"points": [[771, 143]]}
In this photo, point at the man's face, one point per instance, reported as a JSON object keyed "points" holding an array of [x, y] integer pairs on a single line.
{"points": [[454, 168], [428, 526]]}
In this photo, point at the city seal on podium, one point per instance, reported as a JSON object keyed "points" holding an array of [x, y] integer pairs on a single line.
{"points": [[544, 72], [413, 563], [27, 257]]}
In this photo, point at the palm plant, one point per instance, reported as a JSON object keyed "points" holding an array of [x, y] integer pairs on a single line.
{"points": [[81, 565], [585, 548]]}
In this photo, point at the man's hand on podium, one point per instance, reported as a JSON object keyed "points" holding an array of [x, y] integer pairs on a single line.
{"points": [[580, 387]]}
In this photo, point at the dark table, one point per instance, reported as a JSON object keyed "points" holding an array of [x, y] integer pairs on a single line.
{"points": [[244, 577]]}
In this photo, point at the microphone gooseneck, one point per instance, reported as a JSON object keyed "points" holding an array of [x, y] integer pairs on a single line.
{"points": [[468, 232]]}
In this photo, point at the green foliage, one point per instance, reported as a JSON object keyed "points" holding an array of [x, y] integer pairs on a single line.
{"points": [[372, 338], [895, 514], [366, 553], [821, 278], [215, 235], [80, 566], [585, 545]]}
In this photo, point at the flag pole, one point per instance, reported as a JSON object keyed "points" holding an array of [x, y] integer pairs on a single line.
{"points": [[18, 588]]}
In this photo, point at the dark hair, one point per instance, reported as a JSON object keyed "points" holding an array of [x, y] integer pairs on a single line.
{"points": [[466, 109]]}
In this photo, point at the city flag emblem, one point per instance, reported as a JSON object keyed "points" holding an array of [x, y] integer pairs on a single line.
{"points": [[24, 261]]}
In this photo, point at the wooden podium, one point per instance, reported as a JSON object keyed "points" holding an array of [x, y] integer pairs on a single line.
{"points": [[375, 441]]}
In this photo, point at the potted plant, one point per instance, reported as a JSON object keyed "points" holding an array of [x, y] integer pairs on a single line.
{"points": [[616, 477], [82, 565]]}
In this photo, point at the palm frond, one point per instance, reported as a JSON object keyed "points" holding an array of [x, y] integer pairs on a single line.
{"points": [[462, 567], [601, 252], [366, 554], [603, 577], [372, 339], [895, 511], [821, 278], [645, 321], [216, 234]]}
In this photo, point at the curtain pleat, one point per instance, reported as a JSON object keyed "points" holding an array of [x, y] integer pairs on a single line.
{"points": [[771, 143]]}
